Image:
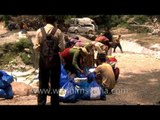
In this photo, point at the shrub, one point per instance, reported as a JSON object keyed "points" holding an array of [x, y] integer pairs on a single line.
{"points": [[22, 44], [5, 18], [6, 58], [123, 24], [11, 50], [139, 29], [141, 19], [25, 58]]}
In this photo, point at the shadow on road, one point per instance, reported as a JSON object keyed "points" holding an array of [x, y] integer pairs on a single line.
{"points": [[145, 86]]}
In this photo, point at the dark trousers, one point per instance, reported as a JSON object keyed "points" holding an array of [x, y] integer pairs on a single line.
{"points": [[47, 75], [118, 45]]}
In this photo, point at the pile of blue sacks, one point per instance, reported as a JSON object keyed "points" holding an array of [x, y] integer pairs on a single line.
{"points": [[5, 85], [83, 87]]}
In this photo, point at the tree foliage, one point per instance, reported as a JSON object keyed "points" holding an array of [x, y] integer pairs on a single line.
{"points": [[36, 21]]}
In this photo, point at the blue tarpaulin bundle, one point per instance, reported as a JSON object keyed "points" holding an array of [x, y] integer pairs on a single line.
{"points": [[67, 93], [83, 87], [6, 93], [96, 91], [64, 76], [5, 85], [93, 92], [5, 79]]}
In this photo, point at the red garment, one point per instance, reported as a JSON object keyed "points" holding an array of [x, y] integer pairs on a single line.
{"points": [[66, 54], [112, 59], [101, 38]]}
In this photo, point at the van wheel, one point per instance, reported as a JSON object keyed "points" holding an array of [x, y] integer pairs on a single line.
{"points": [[76, 31]]}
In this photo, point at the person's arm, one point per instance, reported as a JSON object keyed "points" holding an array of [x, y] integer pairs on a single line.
{"points": [[75, 59], [36, 42], [97, 71], [115, 40], [61, 41]]}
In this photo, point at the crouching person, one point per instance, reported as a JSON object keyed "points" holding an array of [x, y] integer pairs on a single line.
{"points": [[105, 74]]}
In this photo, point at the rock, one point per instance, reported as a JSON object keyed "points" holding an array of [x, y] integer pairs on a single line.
{"points": [[155, 32], [21, 89], [155, 47], [35, 84], [121, 31], [2, 36], [27, 50]]}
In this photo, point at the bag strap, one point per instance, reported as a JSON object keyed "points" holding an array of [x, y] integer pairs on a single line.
{"points": [[54, 30], [45, 34]]}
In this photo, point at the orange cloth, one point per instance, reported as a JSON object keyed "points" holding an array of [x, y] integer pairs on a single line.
{"points": [[101, 38]]}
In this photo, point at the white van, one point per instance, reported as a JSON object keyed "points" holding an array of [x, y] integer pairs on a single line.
{"points": [[85, 24], [86, 28], [85, 20]]}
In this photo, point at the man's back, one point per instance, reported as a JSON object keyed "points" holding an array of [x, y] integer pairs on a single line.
{"points": [[106, 71], [49, 72], [48, 29]]}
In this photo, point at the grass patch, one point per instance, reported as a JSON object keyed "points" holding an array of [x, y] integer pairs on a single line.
{"points": [[22, 44], [9, 51], [26, 58]]}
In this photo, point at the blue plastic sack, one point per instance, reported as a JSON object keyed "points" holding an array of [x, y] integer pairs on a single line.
{"points": [[3, 84], [93, 91], [91, 77], [83, 82], [68, 93], [82, 86], [5, 79], [2, 93], [86, 70], [80, 75], [64, 76], [82, 92], [9, 92], [6, 93], [96, 91]]}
